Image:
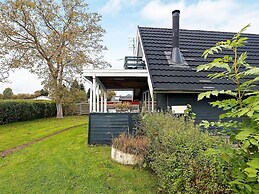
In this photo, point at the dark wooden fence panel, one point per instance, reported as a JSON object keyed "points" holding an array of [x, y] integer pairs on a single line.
{"points": [[105, 126]]}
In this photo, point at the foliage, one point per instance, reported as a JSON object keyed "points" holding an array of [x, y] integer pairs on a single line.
{"points": [[77, 92], [110, 94], [4, 74], [72, 96], [241, 111], [7, 93], [176, 154], [41, 92], [82, 87], [54, 39], [23, 96], [74, 167], [88, 93], [36, 94], [26, 131], [132, 144], [24, 110], [122, 105]]}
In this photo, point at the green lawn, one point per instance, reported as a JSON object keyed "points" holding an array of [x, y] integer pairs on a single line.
{"points": [[15, 134], [64, 163]]}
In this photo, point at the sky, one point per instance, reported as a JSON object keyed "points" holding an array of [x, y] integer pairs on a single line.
{"points": [[120, 19]]}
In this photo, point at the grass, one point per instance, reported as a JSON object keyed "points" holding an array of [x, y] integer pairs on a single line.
{"points": [[64, 163], [14, 134]]}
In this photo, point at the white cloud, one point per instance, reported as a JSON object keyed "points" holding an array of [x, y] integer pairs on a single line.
{"points": [[115, 6], [22, 82], [220, 15]]}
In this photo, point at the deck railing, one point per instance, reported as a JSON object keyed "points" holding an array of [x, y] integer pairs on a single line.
{"points": [[132, 62]]}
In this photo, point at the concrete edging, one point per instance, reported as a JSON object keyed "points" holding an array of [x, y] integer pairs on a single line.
{"points": [[125, 158]]}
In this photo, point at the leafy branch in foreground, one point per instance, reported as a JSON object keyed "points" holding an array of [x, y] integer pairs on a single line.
{"points": [[241, 111]]}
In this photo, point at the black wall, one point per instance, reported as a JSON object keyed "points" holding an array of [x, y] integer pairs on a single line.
{"points": [[105, 126], [202, 108]]}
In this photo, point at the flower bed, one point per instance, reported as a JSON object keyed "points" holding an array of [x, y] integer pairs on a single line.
{"points": [[129, 149]]}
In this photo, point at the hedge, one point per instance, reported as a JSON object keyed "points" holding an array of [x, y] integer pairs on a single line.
{"points": [[24, 110]]}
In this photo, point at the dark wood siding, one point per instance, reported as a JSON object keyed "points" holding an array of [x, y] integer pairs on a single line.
{"points": [[203, 109], [105, 126]]}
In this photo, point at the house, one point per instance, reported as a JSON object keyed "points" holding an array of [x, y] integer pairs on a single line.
{"points": [[120, 98], [163, 74], [42, 98]]}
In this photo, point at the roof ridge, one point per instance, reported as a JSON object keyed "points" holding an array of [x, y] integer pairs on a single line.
{"points": [[210, 31]]}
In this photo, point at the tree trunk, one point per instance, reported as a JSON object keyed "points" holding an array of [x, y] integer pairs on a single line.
{"points": [[59, 110]]}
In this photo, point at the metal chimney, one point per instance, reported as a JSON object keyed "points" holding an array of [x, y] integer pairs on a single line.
{"points": [[176, 55]]}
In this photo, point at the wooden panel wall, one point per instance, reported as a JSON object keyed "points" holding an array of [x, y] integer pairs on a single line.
{"points": [[105, 126], [203, 109]]}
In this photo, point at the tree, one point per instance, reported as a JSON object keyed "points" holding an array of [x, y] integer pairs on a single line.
{"points": [[44, 92], [7, 93], [54, 39], [88, 93], [75, 85], [76, 93], [37, 93], [4, 72], [82, 87], [242, 103], [110, 94], [23, 96]]}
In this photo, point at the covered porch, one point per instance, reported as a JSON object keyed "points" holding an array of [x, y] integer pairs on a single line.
{"points": [[103, 80], [105, 124]]}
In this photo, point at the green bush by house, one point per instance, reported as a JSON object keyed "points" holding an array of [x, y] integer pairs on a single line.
{"points": [[177, 155], [24, 110]]}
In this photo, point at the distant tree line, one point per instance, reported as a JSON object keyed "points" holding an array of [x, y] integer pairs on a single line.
{"points": [[73, 94], [8, 94]]}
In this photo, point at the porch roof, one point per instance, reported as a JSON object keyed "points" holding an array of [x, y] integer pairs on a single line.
{"points": [[119, 79]]}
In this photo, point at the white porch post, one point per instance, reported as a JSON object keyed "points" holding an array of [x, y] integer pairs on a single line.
{"points": [[91, 99], [105, 101], [102, 101], [97, 97], [94, 93], [145, 101], [148, 101], [153, 102]]}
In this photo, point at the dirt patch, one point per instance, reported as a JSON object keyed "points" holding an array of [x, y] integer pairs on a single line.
{"points": [[5, 153]]}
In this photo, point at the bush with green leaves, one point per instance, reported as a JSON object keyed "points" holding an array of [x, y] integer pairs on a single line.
{"points": [[24, 110], [176, 154], [241, 117]]}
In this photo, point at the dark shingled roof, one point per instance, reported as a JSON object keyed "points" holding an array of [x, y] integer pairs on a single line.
{"points": [[157, 42]]}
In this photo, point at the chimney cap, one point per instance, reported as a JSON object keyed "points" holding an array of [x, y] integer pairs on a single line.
{"points": [[176, 11]]}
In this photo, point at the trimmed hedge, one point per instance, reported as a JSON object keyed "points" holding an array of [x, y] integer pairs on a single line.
{"points": [[24, 110]]}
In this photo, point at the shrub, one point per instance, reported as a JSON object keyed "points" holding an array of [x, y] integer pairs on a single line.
{"points": [[176, 154], [24, 110], [122, 106]]}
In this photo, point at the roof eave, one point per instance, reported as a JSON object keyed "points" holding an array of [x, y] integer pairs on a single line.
{"points": [[166, 90]]}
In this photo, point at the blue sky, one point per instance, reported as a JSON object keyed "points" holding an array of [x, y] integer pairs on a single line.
{"points": [[120, 19]]}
